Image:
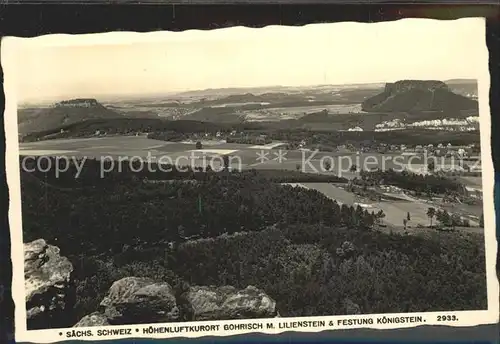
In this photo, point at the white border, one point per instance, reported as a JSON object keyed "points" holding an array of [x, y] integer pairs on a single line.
{"points": [[466, 318]]}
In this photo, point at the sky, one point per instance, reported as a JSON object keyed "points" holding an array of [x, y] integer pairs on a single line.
{"points": [[120, 64]]}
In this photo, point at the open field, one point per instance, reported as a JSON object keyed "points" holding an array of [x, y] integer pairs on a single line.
{"points": [[256, 105], [269, 114], [244, 155], [395, 211]]}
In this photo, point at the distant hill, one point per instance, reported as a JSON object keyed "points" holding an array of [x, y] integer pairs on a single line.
{"points": [[418, 96], [284, 90], [464, 87], [127, 126], [218, 92], [61, 114], [461, 81]]}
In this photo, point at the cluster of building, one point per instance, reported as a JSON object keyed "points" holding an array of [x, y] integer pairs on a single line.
{"points": [[470, 123], [445, 150], [449, 150]]}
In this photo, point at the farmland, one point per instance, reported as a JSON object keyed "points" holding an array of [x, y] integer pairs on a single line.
{"points": [[395, 210], [248, 156], [396, 206]]}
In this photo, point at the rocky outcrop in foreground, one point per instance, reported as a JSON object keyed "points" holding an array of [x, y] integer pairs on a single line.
{"points": [[418, 95], [93, 319], [50, 297], [227, 303], [133, 300], [50, 293]]}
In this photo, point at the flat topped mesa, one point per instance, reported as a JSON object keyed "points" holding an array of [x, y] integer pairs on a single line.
{"points": [[406, 85], [413, 96], [80, 102]]}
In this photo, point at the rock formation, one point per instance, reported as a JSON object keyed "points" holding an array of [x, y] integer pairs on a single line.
{"points": [[418, 95], [134, 300], [94, 319], [408, 85], [226, 303], [62, 115], [50, 293], [78, 103]]}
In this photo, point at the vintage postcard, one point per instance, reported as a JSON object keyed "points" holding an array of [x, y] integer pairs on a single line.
{"points": [[213, 183]]}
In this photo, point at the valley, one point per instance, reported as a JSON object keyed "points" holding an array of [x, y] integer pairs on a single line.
{"points": [[278, 191], [310, 108]]}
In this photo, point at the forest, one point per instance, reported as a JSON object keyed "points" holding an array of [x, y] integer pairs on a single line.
{"points": [[418, 183], [309, 253], [250, 133], [46, 169], [291, 131]]}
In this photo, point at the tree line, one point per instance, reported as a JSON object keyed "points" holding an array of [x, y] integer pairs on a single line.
{"points": [[419, 183], [291, 131], [445, 219], [199, 203], [106, 173], [305, 250]]}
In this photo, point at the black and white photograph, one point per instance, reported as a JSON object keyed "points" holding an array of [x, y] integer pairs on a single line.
{"points": [[176, 184]]}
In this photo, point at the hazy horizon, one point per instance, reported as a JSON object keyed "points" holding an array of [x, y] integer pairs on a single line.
{"points": [[173, 94], [114, 65]]}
